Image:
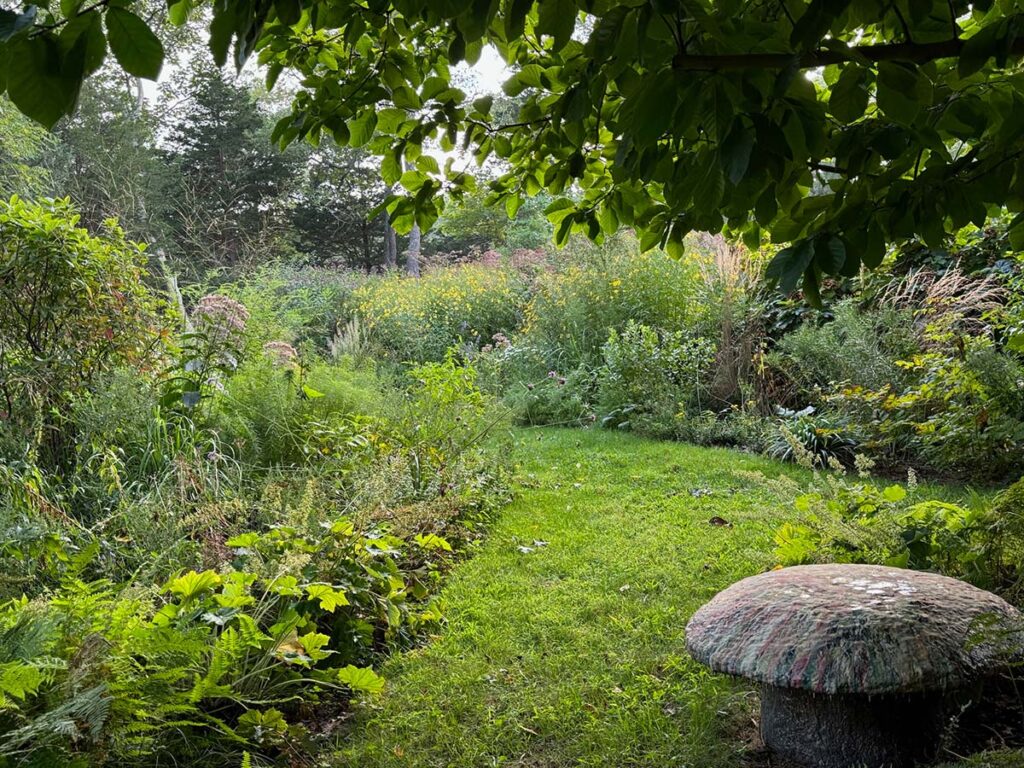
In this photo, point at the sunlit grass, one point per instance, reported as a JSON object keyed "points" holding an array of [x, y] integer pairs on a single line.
{"points": [[565, 636]]}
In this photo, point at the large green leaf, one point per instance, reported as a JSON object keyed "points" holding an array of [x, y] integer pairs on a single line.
{"points": [[83, 44], [362, 680], [735, 151], [849, 97], [558, 19], [36, 81], [789, 264], [361, 128], [899, 91], [134, 45]]}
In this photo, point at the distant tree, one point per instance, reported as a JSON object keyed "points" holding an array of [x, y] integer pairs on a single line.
{"points": [[229, 195], [470, 224], [837, 126], [106, 159], [329, 213]]}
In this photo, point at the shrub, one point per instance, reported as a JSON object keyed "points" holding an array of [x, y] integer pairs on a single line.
{"points": [[733, 427], [962, 411], [72, 306], [650, 376], [419, 320], [277, 412], [854, 349], [818, 439], [300, 305]]}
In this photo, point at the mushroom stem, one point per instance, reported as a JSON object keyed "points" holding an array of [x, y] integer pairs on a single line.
{"points": [[854, 730]]}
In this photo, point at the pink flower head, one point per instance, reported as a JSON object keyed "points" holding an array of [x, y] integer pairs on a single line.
{"points": [[281, 352], [220, 317]]}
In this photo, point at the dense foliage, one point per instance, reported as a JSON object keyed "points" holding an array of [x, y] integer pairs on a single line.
{"points": [[237, 461], [72, 306], [652, 112], [212, 528]]}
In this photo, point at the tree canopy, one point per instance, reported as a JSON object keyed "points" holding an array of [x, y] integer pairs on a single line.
{"points": [[835, 126]]}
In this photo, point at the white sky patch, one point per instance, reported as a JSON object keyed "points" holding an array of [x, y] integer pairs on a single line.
{"points": [[486, 76]]}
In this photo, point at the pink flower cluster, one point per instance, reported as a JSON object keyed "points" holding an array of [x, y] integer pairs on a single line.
{"points": [[501, 341], [490, 258], [281, 352], [220, 317]]}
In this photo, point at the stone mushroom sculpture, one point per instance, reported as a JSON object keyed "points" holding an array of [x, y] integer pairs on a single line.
{"points": [[860, 665]]}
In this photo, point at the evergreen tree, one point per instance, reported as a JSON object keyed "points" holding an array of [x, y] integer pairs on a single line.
{"points": [[230, 193]]}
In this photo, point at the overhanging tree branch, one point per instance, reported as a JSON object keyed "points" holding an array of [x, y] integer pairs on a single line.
{"points": [[917, 53]]}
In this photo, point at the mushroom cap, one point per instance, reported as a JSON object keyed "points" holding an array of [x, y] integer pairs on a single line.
{"points": [[862, 629]]}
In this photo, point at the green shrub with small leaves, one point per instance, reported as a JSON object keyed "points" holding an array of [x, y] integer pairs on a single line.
{"points": [[649, 376], [73, 305]]}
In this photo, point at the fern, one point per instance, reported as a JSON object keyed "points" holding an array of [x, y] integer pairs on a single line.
{"points": [[82, 717]]}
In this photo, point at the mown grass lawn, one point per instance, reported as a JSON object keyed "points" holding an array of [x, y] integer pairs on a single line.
{"points": [[564, 641]]}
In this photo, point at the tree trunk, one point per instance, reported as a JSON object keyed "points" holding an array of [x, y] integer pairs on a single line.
{"points": [[412, 252], [390, 244]]}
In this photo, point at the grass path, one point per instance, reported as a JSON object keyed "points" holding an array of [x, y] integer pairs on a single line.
{"points": [[564, 642], [570, 652]]}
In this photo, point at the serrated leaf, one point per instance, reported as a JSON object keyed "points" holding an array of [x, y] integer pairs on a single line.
{"points": [[432, 541], [361, 128], [327, 596], [362, 680], [193, 584], [136, 48], [83, 44], [390, 169]]}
